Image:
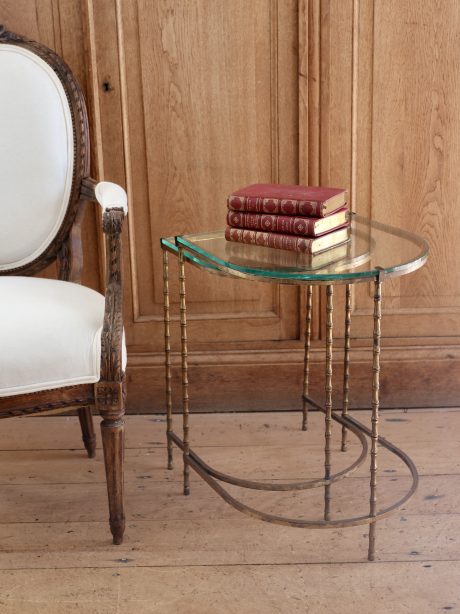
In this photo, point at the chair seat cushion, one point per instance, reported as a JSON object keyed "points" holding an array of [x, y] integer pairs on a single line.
{"points": [[50, 334]]}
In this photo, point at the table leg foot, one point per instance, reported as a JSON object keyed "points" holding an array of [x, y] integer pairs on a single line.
{"points": [[327, 503], [304, 423], [186, 478], [371, 551]]}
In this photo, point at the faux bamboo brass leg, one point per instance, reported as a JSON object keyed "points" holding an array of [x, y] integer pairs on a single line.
{"points": [[375, 411], [167, 330], [346, 364], [328, 405], [185, 399], [306, 368], [87, 430]]}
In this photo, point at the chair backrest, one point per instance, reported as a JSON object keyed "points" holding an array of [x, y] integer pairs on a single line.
{"points": [[44, 153]]}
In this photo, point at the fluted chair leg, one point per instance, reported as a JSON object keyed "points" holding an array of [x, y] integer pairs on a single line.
{"points": [[87, 430], [110, 404], [113, 443]]}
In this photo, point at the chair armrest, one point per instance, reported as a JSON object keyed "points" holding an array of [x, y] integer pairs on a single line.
{"points": [[113, 201], [109, 195]]}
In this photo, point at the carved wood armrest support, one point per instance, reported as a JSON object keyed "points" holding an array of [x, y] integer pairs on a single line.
{"points": [[112, 330], [113, 201], [87, 189], [70, 254], [110, 399]]}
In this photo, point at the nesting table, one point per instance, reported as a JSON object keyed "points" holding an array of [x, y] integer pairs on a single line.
{"points": [[375, 252]]}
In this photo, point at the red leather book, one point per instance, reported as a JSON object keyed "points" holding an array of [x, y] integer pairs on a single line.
{"points": [[283, 199], [290, 242], [288, 224]]}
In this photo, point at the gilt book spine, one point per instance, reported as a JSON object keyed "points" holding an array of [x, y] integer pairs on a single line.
{"points": [[276, 206], [269, 239], [285, 224], [283, 199]]}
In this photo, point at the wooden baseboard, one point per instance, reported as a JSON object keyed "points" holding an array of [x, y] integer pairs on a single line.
{"points": [[272, 380]]}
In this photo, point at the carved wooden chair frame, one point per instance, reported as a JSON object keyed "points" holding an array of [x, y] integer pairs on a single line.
{"points": [[107, 395]]}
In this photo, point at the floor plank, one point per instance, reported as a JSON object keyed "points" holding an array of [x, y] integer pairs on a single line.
{"points": [[387, 588], [155, 500], [260, 462], [63, 432], [235, 541]]}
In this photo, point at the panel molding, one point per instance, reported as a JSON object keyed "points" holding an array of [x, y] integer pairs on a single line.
{"points": [[235, 381], [356, 55], [140, 315], [294, 356], [123, 62]]}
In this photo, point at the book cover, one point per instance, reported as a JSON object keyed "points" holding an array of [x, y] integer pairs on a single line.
{"points": [[284, 199], [288, 224], [294, 243]]}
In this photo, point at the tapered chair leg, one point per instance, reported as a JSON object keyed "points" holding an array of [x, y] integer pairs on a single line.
{"points": [[113, 443], [87, 430], [111, 406]]}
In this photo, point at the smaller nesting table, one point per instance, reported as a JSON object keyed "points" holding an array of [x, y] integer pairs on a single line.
{"points": [[375, 251]]}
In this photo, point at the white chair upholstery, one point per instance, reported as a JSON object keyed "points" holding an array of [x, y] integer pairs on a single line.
{"points": [[50, 334], [110, 195], [36, 155]]}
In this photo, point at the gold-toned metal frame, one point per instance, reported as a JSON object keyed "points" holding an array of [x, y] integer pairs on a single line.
{"points": [[348, 423]]}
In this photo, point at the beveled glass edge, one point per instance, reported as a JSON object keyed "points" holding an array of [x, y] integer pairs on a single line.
{"points": [[169, 245], [257, 273]]}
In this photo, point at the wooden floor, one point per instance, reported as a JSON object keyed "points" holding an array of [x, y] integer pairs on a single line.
{"points": [[196, 554]]}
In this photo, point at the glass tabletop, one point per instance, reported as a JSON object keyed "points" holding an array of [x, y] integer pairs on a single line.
{"points": [[372, 248]]}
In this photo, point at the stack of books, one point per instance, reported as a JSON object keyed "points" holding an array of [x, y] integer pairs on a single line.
{"points": [[293, 217]]}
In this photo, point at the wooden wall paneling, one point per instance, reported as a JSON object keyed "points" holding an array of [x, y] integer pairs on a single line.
{"points": [[391, 69], [309, 124], [182, 99], [197, 131], [36, 19], [106, 115], [196, 112], [399, 139], [411, 144]]}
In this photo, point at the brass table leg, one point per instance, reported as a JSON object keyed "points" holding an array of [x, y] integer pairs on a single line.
{"points": [[328, 405], [185, 398], [167, 330], [346, 364], [306, 365], [375, 411]]}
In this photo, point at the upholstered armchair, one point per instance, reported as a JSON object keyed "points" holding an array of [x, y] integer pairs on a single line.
{"points": [[61, 344]]}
